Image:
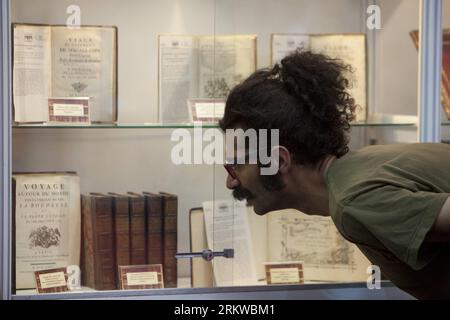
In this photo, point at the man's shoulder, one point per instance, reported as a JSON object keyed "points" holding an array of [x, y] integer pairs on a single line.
{"points": [[363, 164], [413, 167]]}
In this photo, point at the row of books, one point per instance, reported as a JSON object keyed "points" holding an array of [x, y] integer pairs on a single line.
{"points": [[127, 229]]}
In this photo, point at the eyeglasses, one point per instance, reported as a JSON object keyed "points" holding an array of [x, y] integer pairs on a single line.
{"points": [[230, 165]]}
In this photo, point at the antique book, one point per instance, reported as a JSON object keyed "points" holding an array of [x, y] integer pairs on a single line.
{"points": [[170, 226], [201, 270], [46, 224], [349, 48], [60, 62], [283, 236], [137, 228], [227, 227], [98, 265], [154, 227], [445, 86], [121, 229], [192, 67]]}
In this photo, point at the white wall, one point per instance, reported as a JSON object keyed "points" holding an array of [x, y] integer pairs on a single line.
{"points": [[139, 159]]}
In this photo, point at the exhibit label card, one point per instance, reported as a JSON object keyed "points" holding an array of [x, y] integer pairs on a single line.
{"points": [[284, 273], [141, 277], [51, 281], [69, 111], [206, 110]]}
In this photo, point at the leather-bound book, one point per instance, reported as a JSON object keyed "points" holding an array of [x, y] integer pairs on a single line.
{"points": [[170, 212], [154, 231], [98, 256], [136, 204], [121, 229]]}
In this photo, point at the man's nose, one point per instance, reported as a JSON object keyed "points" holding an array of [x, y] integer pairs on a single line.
{"points": [[232, 183]]}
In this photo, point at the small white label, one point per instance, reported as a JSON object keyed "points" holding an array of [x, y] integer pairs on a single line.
{"points": [[68, 110], [210, 109], [284, 275], [142, 278], [52, 280]]}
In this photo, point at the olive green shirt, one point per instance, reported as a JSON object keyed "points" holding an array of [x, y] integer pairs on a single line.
{"points": [[385, 199]]}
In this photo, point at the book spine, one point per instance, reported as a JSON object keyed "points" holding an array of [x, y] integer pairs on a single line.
{"points": [[153, 204], [121, 231], [87, 243], [98, 243], [170, 205], [137, 230]]}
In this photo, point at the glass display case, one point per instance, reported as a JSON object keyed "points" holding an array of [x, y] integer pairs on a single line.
{"points": [[155, 72]]}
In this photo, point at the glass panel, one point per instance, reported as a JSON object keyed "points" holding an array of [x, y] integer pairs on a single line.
{"points": [[388, 70], [176, 64], [154, 77]]}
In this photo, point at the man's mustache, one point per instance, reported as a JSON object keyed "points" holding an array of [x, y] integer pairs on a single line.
{"points": [[241, 193]]}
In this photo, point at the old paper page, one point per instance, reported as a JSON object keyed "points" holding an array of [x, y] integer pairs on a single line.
{"points": [[283, 44], [227, 227], [47, 224], [84, 65], [177, 77], [351, 49], [294, 236], [31, 72], [224, 61]]}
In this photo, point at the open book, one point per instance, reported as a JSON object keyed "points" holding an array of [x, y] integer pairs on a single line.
{"points": [[349, 48], [207, 67], [61, 62], [281, 236]]}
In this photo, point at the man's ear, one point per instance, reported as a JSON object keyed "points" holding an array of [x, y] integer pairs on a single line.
{"points": [[284, 159]]}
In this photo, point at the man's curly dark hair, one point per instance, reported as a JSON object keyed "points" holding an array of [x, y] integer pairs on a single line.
{"points": [[305, 97]]}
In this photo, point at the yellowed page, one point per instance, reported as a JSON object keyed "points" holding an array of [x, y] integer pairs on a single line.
{"points": [[284, 44], [351, 49], [47, 214], [31, 72], [294, 236], [177, 77], [224, 61], [84, 65], [227, 227]]}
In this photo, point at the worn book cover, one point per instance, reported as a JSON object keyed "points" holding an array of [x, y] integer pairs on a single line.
{"points": [[98, 266], [57, 61], [136, 204], [170, 226], [121, 216], [46, 224], [154, 227]]}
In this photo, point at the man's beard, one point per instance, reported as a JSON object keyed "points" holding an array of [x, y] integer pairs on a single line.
{"points": [[241, 193], [270, 183]]}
